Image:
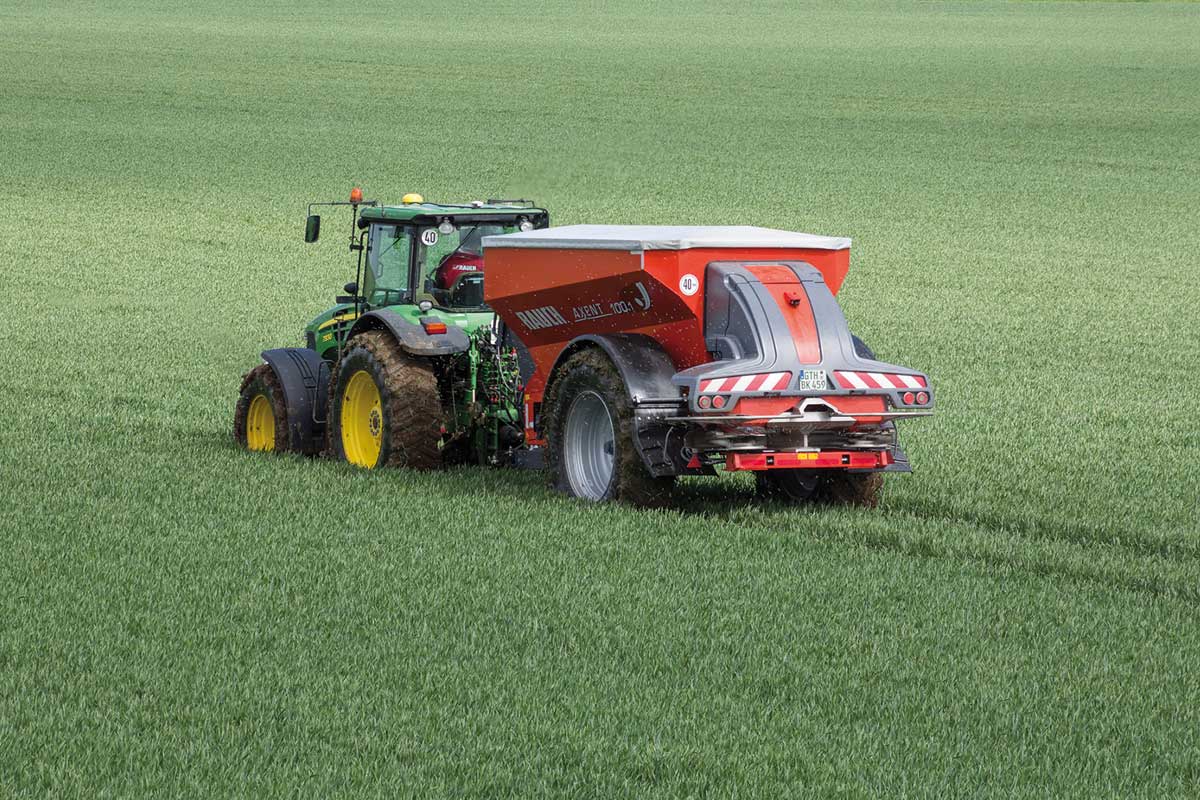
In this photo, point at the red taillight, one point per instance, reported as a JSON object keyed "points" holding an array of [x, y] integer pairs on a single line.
{"points": [[704, 401], [356, 195], [907, 398], [718, 402], [433, 326], [922, 398]]}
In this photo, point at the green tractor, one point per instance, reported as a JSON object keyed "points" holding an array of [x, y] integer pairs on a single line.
{"points": [[410, 367]]}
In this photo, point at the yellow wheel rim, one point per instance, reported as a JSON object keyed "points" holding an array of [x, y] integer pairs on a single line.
{"points": [[362, 420], [260, 424]]}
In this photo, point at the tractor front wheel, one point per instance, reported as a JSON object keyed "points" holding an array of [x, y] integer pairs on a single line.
{"points": [[260, 418], [384, 407], [590, 432]]}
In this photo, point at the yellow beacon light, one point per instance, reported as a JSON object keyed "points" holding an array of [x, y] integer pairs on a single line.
{"points": [[412, 198]]}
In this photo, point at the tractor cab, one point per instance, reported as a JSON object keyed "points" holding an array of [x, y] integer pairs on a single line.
{"points": [[444, 267], [418, 259], [433, 252]]}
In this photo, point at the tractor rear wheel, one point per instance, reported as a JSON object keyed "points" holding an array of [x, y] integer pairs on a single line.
{"points": [[260, 418], [589, 430], [384, 409]]}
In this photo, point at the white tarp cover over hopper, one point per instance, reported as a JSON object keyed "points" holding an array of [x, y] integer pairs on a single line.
{"points": [[636, 238]]}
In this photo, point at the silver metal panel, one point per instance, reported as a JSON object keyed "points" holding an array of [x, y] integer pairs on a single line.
{"points": [[639, 238]]}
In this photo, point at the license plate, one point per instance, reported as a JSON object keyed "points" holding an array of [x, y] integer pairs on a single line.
{"points": [[812, 380]]}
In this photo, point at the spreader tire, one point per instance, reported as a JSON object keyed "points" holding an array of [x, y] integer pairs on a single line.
{"points": [[260, 417], [589, 432], [786, 485], [384, 407], [849, 488]]}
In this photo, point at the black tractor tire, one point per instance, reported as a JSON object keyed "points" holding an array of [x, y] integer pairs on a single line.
{"points": [[590, 373], [849, 489], [411, 420], [261, 382], [786, 485]]}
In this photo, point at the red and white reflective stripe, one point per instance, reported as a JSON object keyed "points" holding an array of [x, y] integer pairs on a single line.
{"points": [[742, 383], [763, 382], [852, 379], [776, 380], [879, 380]]}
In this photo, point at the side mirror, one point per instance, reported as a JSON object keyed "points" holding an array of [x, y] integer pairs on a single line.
{"points": [[312, 228], [350, 288]]}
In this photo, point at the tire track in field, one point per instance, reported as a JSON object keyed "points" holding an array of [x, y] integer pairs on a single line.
{"points": [[953, 537], [1175, 547], [1125, 577]]}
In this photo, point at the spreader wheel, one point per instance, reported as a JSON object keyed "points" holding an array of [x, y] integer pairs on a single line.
{"points": [[786, 485], [260, 418], [849, 488], [590, 436], [384, 407]]}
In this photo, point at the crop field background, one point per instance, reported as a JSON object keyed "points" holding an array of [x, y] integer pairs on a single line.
{"points": [[1020, 616]]}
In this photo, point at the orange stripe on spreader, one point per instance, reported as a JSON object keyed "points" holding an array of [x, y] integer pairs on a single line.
{"points": [[792, 300]]}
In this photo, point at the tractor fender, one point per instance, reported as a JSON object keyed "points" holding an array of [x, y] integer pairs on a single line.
{"points": [[412, 338], [304, 376], [645, 368]]}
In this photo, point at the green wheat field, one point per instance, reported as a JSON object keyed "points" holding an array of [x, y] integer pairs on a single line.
{"points": [[1020, 617]]}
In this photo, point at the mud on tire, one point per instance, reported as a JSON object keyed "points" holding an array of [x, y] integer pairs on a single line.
{"points": [[849, 489], [261, 381], [591, 371], [412, 416]]}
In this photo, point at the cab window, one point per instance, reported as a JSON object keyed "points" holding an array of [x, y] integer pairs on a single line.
{"points": [[451, 265], [388, 251]]}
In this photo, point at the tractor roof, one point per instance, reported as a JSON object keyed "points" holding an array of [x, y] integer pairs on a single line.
{"points": [[664, 237], [432, 212]]}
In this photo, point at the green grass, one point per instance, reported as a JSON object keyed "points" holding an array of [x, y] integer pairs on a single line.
{"points": [[178, 617]]}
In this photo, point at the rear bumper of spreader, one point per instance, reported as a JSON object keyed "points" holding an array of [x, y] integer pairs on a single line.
{"points": [[814, 436], [893, 460]]}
